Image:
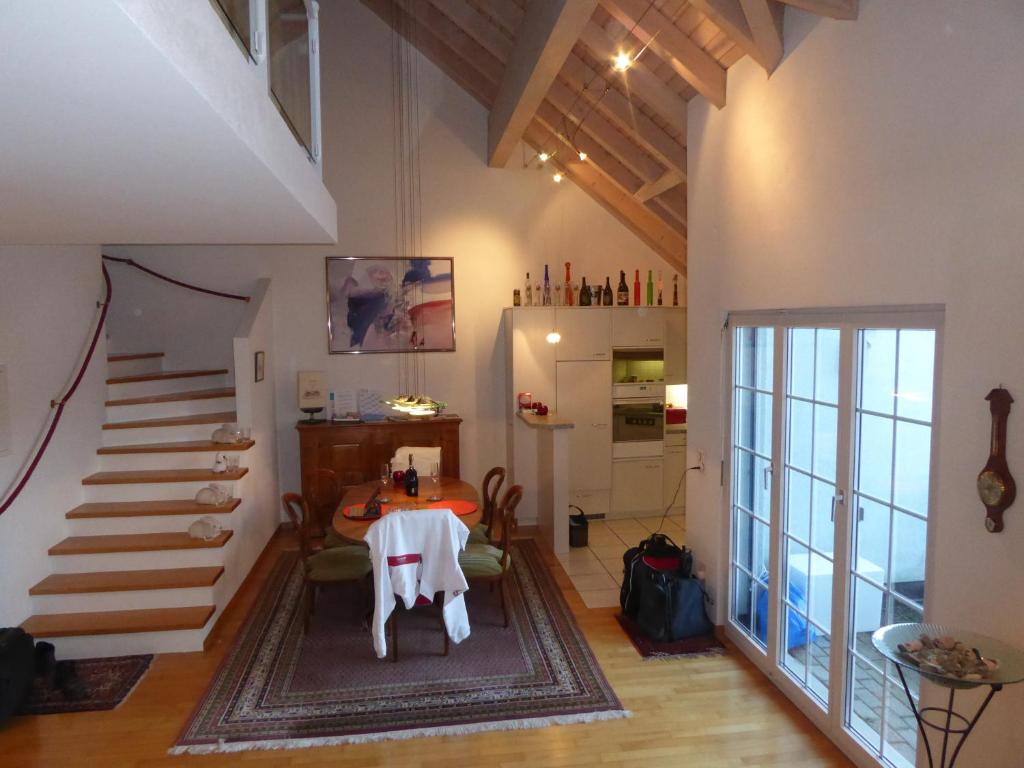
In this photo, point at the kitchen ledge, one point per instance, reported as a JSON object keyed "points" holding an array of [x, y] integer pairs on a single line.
{"points": [[551, 421]]}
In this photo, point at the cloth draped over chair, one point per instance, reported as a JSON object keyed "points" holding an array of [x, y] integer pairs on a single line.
{"points": [[436, 536]]}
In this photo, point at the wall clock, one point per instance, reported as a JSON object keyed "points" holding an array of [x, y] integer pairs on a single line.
{"points": [[996, 486]]}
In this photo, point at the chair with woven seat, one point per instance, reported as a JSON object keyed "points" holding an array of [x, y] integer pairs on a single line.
{"points": [[487, 564], [324, 496], [481, 532], [348, 564]]}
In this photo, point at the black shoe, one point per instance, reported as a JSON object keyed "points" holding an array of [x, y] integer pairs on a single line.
{"points": [[69, 682], [46, 663]]}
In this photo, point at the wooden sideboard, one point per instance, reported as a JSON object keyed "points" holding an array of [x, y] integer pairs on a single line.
{"points": [[356, 451]]}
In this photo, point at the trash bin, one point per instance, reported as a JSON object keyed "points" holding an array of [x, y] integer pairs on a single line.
{"points": [[578, 527]]}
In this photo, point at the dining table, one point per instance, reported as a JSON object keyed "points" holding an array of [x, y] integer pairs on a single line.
{"points": [[450, 489]]}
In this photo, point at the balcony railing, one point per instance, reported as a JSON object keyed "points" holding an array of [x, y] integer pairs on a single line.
{"points": [[282, 38]]}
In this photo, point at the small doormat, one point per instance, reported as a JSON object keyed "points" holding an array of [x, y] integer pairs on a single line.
{"points": [[107, 682], [701, 645], [279, 689]]}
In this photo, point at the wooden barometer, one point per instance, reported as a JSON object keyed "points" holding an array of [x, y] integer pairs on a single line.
{"points": [[996, 487]]}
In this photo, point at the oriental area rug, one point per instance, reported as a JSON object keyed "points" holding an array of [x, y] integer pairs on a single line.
{"points": [[280, 689], [105, 684]]}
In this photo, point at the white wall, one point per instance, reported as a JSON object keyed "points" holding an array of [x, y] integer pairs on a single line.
{"points": [[47, 311], [496, 223], [880, 164]]}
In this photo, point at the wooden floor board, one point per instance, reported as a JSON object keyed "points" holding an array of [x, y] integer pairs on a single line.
{"points": [[715, 712]]}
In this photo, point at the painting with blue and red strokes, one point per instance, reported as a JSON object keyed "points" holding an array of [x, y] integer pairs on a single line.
{"points": [[381, 304]]}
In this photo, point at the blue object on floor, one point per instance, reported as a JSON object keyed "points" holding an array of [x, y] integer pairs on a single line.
{"points": [[798, 633]]}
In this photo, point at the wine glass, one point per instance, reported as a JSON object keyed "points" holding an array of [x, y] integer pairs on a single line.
{"points": [[435, 481], [385, 483]]}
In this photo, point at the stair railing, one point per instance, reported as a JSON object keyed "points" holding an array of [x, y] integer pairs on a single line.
{"points": [[173, 281]]}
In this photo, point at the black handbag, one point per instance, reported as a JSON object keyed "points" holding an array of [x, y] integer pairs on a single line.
{"points": [[17, 668], [656, 551]]}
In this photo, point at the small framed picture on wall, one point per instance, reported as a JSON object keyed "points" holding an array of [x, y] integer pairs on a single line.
{"points": [[261, 361]]}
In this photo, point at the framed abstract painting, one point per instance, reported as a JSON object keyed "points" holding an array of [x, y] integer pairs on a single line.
{"points": [[383, 304]]}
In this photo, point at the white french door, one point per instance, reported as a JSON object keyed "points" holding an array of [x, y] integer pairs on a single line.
{"points": [[829, 475]]}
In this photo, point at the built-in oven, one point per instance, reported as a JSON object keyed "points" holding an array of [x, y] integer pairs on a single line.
{"points": [[638, 427]]}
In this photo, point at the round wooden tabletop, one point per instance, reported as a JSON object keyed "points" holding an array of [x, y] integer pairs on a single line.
{"points": [[355, 530]]}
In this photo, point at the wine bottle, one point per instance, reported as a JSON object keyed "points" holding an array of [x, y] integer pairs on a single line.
{"points": [[568, 285], [412, 480], [558, 294], [606, 297], [546, 297], [622, 297], [661, 286], [650, 288], [529, 291], [675, 290], [584, 293], [636, 288]]}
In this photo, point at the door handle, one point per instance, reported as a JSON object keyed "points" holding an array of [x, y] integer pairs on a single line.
{"points": [[840, 498], [767, 473]]}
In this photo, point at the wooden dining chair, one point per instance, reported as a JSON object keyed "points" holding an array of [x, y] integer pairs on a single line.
{"points": [[324, 496], [338, 565], [487, 564], [482, 532]]}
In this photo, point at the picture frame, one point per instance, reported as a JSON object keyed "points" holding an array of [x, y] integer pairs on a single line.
{"points": [[380, 304], [259, 365]]}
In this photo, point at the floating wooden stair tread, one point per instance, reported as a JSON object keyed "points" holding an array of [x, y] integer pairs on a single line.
{"points": [[223, 417], [117, 622], [128, 581], [148, 508], [125, 357], [175, 397], [186, 446], [135, 542], [165, 375], [131, 476]]}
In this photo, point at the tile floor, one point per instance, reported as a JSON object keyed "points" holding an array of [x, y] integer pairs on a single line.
{"points": [[596, 570]]}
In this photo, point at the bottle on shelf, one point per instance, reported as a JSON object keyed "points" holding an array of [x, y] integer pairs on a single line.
{"points": [[412, 480], [595, 293], [606, 295], [636, 288], [675, 290], [517, 300], [661, 286], [558, 294], [529, 291], [584, 293], [546, 296], [568, 285], [650, 288], [622, 294], [332, 414]]}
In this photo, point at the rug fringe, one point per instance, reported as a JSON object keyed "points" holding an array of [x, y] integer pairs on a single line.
{"points": [[659, 656], [410, 733]]}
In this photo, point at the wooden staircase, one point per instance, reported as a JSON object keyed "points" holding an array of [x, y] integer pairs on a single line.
{"points": [[128, 578]]}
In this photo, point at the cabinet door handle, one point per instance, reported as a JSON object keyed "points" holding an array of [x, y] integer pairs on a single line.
{"points": [[599, 426], [653, 466]]}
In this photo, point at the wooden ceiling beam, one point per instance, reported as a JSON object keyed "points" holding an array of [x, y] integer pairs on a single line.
{"points": [[652, 189], [639, 79], [835, 9], [657, 31], [754, 25], [546, 37]]}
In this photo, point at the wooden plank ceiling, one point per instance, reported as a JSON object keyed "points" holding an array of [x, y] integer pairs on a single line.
{"points": [[517, 58]]}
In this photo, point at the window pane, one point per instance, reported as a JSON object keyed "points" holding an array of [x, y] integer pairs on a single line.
{"points": [[798, 504], [801, 363], [817, 667], [825, 423], [763, 371], [741, 610], [762, 488], [917, 368], [900, 726], [909, 536], [237, 14], [870, 612], [875, 456], [798, 563], [760, 601], [743, 469], [794, 636], [819, 599], [743, 555], [744, 373], [866, 702], [878, 370], [761, 549], [289, 66], [745, 418], [801, 427], [826, 370], [872, 539], [823, 527], [913, 459]]}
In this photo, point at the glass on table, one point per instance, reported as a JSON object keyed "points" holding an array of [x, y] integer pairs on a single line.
{"points": [[385, 483], [435, 481]]}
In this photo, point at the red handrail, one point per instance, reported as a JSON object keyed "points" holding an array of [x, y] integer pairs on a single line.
{"points": [[165, 278], [59, 404]]}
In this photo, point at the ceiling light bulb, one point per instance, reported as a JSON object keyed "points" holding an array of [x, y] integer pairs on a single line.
{"points": [[583, 155], [554, 337], [543, 157], [621, 62], [557, 178]]}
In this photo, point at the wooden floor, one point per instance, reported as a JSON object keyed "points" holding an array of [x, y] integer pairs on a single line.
{"points": [[713, 712]]}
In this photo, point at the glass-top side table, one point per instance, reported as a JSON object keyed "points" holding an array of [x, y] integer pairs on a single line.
{"points": [[945, 720]]}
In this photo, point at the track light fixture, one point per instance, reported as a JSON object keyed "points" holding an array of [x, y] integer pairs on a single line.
{"points": [[622, 61]]}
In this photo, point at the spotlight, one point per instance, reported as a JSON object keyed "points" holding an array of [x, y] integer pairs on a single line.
{"points": [[621, 62], [543, 157], [554, 337], [557, 178], [583, 156]]}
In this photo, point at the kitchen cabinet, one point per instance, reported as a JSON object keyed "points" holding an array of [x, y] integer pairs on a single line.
{"points": [[674, 471], [675, 346], [584, 396], [636, 327], [586, 333], [637, 486]]}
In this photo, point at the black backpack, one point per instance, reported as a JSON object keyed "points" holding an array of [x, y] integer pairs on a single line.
{"points": [[658, 592], [17, 668]]}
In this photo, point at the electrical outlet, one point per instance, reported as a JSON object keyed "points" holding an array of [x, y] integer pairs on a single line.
{"points": [[700, 460]]}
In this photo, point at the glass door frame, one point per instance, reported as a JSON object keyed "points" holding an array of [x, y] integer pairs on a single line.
{"points": [[849, 321]]}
